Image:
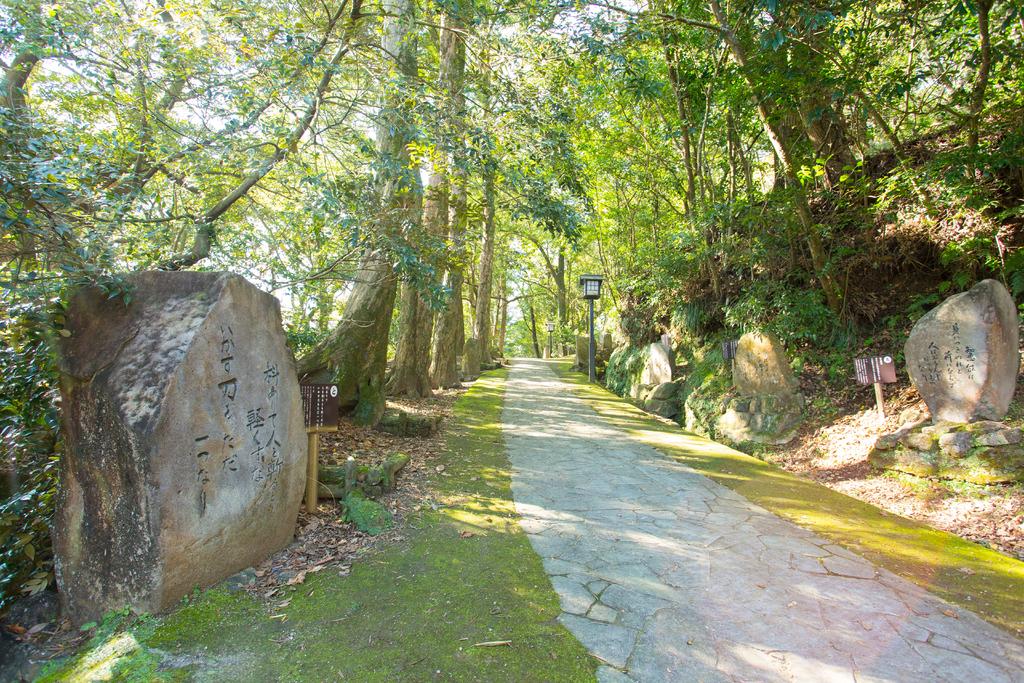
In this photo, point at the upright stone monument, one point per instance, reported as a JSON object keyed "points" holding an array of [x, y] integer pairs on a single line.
{"points": [[963, 355], [761, 366], [582, 352], [658, 369], [769, 407], [185, 446]]}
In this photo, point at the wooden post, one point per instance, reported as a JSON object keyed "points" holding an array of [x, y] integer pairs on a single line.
{"points": [[880, 400], [312, 468]]}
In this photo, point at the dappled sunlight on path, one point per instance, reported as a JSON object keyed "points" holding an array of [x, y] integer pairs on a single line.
{"points": [[666, 575]]}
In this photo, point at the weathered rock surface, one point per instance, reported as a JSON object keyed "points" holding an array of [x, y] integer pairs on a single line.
{"points": [[658, 369], [582, 352], [402, 423], [665, 390], [769, 418], [471, 359], [664, 407], [607, 344], [770, 407], [761, 366], [185, 446], [963, 355], [984, 452]]}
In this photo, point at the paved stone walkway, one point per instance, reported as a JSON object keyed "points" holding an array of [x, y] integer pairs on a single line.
{"points": [[667, 576]]}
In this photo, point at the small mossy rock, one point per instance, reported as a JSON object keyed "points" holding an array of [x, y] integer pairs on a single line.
{"points": [[955, 444], [770, 419], [185, 456], [369, 516], [761, 368], [1002, 437], [471, 359], [667, 408], [953, 452], [658, 368], [402, 423], [665, 390], [963, 355]]}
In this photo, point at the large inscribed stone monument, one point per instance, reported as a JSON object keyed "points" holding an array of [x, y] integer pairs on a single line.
{"points": [[963, 355], [185, 446], [769, 408]]}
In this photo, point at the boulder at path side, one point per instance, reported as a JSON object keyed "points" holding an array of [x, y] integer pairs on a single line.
{"points": [[963, 355], [185, 445], [658, 369], [761, 367]]}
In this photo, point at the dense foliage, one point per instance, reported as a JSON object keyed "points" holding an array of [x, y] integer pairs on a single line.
{"points": [[827, 171]]}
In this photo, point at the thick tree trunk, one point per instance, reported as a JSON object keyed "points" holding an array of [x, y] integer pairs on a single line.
{"points": [[782, 146], [449, 331], [482, 318], [533, 328], [354, 355]]}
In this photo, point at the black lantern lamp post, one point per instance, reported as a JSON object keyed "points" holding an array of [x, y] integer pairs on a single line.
{"points": [[591, 288], [551, 329]]}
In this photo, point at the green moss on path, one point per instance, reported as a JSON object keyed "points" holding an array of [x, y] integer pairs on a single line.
{"points": [[984, 581], [411, 612]]}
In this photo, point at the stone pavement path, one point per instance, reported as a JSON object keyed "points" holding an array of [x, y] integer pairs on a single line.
{"points": [[668, 576]]}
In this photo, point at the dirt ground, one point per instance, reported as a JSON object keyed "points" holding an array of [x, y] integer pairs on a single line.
{"points": [[834, 453]]}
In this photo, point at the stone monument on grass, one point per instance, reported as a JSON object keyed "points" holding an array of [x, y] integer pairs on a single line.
{"points": [[185, 446]]}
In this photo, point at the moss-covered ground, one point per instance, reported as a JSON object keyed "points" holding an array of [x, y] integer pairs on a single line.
{"points": [[416, 610], [982, 580]]}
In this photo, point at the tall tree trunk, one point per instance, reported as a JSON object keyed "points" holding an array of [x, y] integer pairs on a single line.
{"points": [[410, 373], [354, 355], [502, 318], [782, 146], [533, 328], [449, 331], [482, 319]]}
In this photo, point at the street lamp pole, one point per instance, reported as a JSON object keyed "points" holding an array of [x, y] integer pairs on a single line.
{"points": [[591, 285], [551, 329], [593, 346]]}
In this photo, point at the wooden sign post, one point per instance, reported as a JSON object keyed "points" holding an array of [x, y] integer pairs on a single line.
{"points": [[320, 412], [877, 370], [729, 349]]}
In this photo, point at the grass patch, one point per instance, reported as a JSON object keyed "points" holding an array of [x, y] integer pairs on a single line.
{"points": [[412, 611], [984, 581]]}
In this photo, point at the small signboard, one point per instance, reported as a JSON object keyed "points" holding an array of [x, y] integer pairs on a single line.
{"points": [[319, 405], [875, 370], [729, 349]]}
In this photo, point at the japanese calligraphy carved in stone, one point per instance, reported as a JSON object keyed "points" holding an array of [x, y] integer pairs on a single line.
{"points": [[963, 355], [185, 445]]}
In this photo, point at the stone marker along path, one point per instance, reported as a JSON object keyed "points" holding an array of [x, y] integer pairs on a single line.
{"points": [[667, 576]]}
